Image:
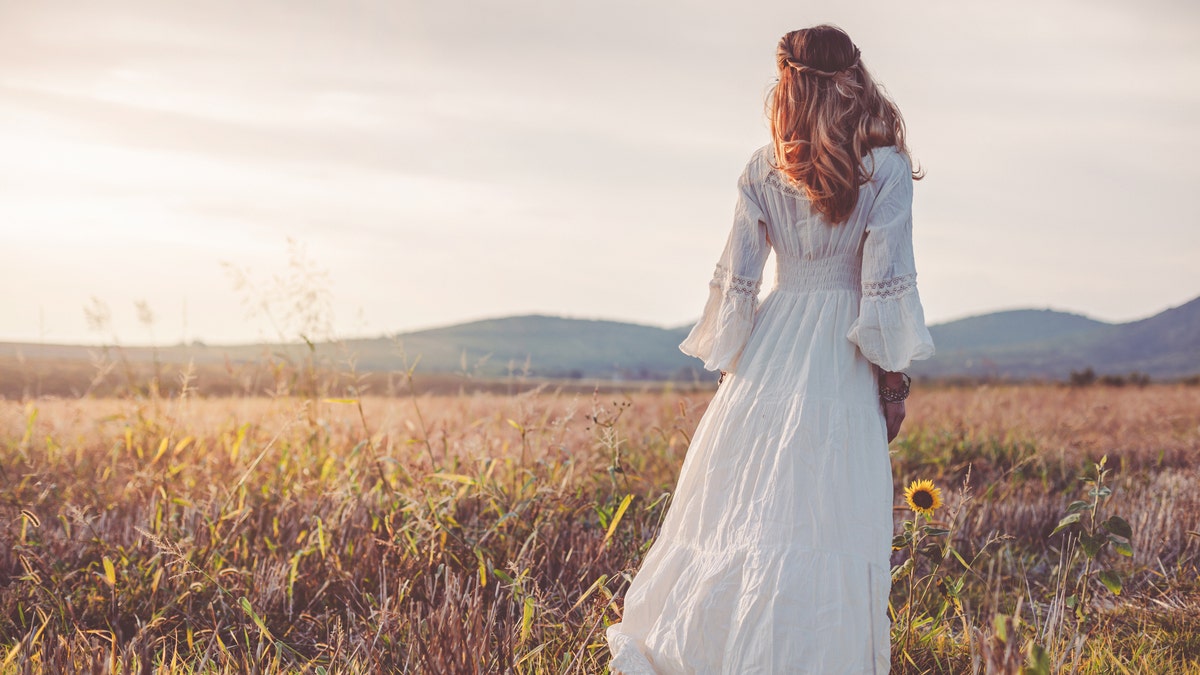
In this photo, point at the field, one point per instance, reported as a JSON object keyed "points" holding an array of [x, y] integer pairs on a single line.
{"points": [[462, 533]]}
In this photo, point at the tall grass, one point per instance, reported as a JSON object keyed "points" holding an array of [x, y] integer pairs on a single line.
{"points": [[489, 533]]}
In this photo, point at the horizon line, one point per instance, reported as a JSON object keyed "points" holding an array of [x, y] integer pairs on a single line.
{"points": [[200, 342]]}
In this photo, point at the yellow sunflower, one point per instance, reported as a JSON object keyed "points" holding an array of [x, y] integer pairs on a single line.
{"points": [[923, 497]]}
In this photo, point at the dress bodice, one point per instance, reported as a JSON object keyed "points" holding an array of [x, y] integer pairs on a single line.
{"points": [[870, 254]]}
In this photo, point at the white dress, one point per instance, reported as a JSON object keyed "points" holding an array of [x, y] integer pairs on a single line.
{"points": [[774, 555]]}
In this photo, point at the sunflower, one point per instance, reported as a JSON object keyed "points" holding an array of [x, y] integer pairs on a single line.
{"points": [[923, 497]]}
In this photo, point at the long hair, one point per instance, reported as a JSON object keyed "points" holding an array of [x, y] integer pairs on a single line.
{"points": [[826, 115]]}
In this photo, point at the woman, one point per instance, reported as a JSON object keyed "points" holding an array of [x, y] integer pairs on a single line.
{"points": [[774, 555]]}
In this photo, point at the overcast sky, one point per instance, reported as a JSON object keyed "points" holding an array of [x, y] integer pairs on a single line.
{"points": [[445, 161]]}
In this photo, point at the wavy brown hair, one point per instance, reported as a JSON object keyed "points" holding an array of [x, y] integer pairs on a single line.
{"points": [[826, 115]]}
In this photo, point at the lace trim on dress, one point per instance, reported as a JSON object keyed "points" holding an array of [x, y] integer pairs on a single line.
{"points": [[743, 286], [776, 180], [889, 288]]}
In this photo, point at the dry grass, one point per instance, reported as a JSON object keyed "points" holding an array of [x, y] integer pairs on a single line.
{"points": [[485, 533], [1025, 449]]}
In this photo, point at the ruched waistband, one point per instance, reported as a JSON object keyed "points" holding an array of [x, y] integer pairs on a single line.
{"points": [[839, 272]]}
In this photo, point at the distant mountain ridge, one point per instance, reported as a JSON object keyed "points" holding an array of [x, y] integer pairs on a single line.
{"points": [[1050, 345], [1015, 344], [549, 346], [1010, 327]]}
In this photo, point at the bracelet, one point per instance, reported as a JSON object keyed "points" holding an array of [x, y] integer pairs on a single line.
{"points": [[889, 395]]}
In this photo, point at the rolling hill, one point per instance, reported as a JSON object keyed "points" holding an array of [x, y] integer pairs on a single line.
{"points": [[1050, 345], [1017, 344], [1013, 327], [551, 346]]}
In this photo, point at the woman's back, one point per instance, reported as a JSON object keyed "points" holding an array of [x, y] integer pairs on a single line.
{"points": [[796, 231]]}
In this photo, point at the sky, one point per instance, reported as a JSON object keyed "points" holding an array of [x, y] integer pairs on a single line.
{"points": [[233, 171]]}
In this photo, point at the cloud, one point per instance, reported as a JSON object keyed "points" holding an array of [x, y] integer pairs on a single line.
{"points": [[579, 157]]}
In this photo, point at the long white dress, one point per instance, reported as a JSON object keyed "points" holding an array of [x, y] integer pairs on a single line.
{"points": [[773, 556]]}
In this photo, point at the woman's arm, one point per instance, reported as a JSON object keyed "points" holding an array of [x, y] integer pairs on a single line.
{"points": [[728, 316], [893, 411]]}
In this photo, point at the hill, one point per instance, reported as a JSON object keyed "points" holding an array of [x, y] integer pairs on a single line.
{"points": [[1014, 327], [1017, 344], [1050, 345], [548, 346]]}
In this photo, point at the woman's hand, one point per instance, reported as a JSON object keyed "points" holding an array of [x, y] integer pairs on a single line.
{"points": [[893, 414]]}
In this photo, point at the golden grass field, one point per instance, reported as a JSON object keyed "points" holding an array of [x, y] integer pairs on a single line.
{"points": [[492, 533]]}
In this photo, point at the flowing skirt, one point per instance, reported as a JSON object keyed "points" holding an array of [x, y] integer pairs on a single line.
{"points": [[774, 554]]}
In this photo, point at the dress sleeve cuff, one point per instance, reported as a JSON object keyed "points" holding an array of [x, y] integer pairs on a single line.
{"points": [[890, 330], [722, 332]]}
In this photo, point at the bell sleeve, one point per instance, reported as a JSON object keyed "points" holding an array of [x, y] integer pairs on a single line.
{"points": [[890, 329], [728, 318]]}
